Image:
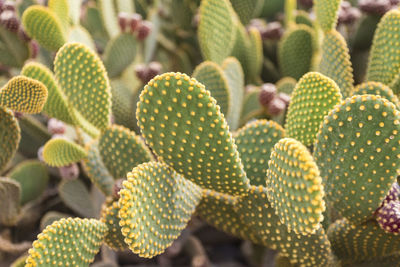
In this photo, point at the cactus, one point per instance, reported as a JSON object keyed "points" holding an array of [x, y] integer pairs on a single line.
{"points": [[377, 88], [9, 201], [60, 152], [10, 136], [23, 94], [109, 216], [54, 247], [327, 13], [61, 9]]}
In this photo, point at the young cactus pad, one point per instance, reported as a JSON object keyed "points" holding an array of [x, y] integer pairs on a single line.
{"points": [[327, 13], [10, 134], [83, 78], [155, 203], [67, 242], [357, 154], [60, 152], [295, 187], [255, 142], [183, 125], [23, 94], [313, 97], [377, 88]]}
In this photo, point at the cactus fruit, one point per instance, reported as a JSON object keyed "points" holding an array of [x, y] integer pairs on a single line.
{"points": [[23, 94], [377, 88], [267, 93], [360, 128], [327, 13], [60, 152], [67, 242], [69, 172], [10, 135], [221, 170], [163, 204], [86, 86], [313, 97]]}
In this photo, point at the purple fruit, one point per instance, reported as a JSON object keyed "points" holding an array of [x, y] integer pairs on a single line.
{"points": [[285, 98], [273, 31], [9, 5], [267, 93], [276, 106], [388, 217], [134, 21], [55, 126], [69, 172], [123, 20], [144, 30], [9, 20], [34, 47], [23, 35], [154, 69], [375, 7], [142, 71]]}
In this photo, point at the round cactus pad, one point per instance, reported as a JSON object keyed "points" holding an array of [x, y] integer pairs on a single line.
{"points": [[60, 152]]}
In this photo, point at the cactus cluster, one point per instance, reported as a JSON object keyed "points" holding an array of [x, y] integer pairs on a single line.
{"points": [[275, 122]]}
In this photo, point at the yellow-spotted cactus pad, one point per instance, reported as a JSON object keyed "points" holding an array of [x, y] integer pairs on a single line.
{"points": [[67, 242], [327, 13], [357, 152], [60, 8], [254, 55], [10, 191], [295, 51], [295, 187], [335, 62], [377, 88], [60, 152], [286, 85], [44, 26], [10, 135], [255, 142], [56, 105], [156, 204], [23, 94], [96, 170], [313, 97], [184, 126], [213, 78], [217, 31], [84, 81], [384, 60], [246, 9], [109, 215], [306, 250], [361, 242], [121, 150]]}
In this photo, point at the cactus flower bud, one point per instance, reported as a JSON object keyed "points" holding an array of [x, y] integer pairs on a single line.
{"points": [[267, 93], [69, 172], [144, 30]]}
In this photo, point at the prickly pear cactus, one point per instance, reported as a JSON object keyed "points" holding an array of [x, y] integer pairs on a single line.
{"points": [[60, 152], [377, 88], [327, 13], [109, 215]]}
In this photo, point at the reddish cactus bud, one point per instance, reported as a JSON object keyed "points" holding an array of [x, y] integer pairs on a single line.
{"points": [[144, 30], [34, 47], [69, 172], [9, 20], [375, 7], [55, 126], [276, 106], [134, 21], [123, 20], [9, 5], [154, 69], [273, 31], [23, 35], [142, 71], [267, 93], [285, 98]]}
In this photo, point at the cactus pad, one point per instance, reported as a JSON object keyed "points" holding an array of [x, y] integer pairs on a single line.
{"points": [[377, 88], [155, 203], [72, 242], [313, 97], [109, 215], [76, 196], [217, 31], [357, 243], [61, 9], [10, 191], [357, 154], [44, 26], [335, 62], [121, 150], [327, 13], [183, 125], [213, 78], [255, 142], [384, 64], [295, 187], [23, 94], [295, 51], [84, 80], [55, 106], [10, 135], [60, 152]]}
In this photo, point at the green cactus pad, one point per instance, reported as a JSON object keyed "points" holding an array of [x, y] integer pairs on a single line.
{"points": [[121, 150], [109, 215], [335, 62], [50, 217], [10, 191], [306, 250], [327, 13], [86, 126], [286, 85], [388, 261], [295, 187], [213, 78], [109, 16], [61, 9], [216, 31], [295, 51], [313, 97], [124, 100], [218, 210], [76, 196], [183, 125], [96, 170], [79, 34], [67, 242], [255, 142], [84, 80], [235, 77], [155, 203], [356, 152], [246, 9], [120, 52], [254, 55], [357, 243], [377, 88], [60, 152], [302, 17], [56, 105], [23, 94], [384, 64], [13, 50], [44, 26], [251, 106], [10, 135], [33, 177]]}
